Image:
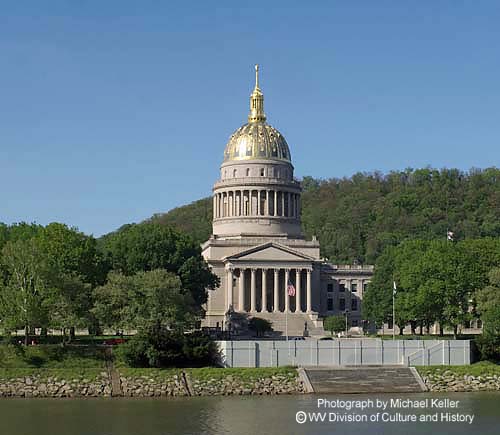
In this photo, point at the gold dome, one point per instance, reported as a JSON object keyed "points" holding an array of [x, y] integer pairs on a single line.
{"points": [[257, 139]]}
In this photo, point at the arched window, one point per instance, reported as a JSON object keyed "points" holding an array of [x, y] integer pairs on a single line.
{"points": [[261, 172]]}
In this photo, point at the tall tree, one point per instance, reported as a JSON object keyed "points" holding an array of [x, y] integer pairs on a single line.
{"points": [[22, 296], [146, 301], [150, 246]]}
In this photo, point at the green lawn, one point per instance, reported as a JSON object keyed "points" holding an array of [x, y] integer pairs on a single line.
{"points": [[483, 368], [51, 357], [205, 373]]}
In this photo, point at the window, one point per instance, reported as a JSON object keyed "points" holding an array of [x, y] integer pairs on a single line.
{"points": [[248, 172], [234, 173], [365, 286], [342, 304], [329, 287], [341, 287], [354, 287], [354, 305], [261, 172], [330, 304], [354, 323]]}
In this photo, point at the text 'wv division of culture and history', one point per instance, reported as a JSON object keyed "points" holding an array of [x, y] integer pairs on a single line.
{"points": [[385, 410]]}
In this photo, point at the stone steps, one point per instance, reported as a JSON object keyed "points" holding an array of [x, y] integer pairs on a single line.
{"points": [[364, 380]]}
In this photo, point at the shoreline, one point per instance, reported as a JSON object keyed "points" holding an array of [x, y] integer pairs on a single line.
{"points": [[204, 382]]}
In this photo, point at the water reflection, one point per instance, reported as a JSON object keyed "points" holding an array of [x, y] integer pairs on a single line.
{"points": [[222, 415]]}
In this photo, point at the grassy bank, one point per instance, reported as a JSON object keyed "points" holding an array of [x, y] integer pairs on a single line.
{"points": [[205, 373], [51, 361], [483, 368]]}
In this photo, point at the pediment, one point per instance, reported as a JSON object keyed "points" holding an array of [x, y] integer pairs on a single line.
{"points": [[270, 251]]}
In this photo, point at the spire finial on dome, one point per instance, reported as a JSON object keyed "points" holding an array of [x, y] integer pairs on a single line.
{"points": [[257, 101]]}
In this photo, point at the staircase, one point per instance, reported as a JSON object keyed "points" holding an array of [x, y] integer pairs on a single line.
{"points": [[388, 379], [296, 323]]}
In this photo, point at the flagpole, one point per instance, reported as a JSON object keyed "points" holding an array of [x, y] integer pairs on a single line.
{"points": [[393, 317], [393, 310]]}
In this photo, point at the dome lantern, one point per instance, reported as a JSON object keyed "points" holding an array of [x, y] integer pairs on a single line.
{"points": [[257, 102], [257, 140]]}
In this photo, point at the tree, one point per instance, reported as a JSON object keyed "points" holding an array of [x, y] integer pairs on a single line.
{"points": [[259, 326], [488, 306], [22, 296], [146, 301], [377, 301], [334, 324], [150, 246]]}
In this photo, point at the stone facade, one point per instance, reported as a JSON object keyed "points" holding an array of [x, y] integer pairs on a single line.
{"points": [[257, 248]]}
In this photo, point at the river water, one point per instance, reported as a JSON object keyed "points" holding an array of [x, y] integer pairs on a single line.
{"points": [[249, 415]]}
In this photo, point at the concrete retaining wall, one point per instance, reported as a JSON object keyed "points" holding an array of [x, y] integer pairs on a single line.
{"points": [[344, 352]]}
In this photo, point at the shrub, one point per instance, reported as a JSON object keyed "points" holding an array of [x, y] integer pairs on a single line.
{"points": [[260, 326], [164, 348], [334, 324]]}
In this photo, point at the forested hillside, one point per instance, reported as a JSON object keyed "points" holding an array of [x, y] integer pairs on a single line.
{"points": [[356, 217]]}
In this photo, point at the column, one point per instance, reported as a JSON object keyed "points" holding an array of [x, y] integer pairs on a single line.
{"points": [[309, 309], [258, 202], [264, 291], [241, 292], [287, 297], [268, 209], [252, 291], [298, 306], [275, 203], [229, 286], [283, 204], [276, 301], [215, 206]]}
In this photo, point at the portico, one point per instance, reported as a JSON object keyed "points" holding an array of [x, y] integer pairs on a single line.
{"points": [[263, 289]]}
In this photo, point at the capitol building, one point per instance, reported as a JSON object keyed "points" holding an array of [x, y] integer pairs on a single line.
{"points": [[257, 247]]}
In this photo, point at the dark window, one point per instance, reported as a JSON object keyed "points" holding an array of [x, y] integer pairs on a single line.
{"points": [[341, 304], [354, 287], [354, 323], [354, 304], [248, 172], [330, 304], [341, 287], [261, 172], [330, 287], [365, 286]]}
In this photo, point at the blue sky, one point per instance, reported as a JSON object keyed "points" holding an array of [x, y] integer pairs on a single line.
{"points": [[111, 111]]}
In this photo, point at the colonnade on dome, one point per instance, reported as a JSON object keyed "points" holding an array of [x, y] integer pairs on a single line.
{"points": [[256, 202]]}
